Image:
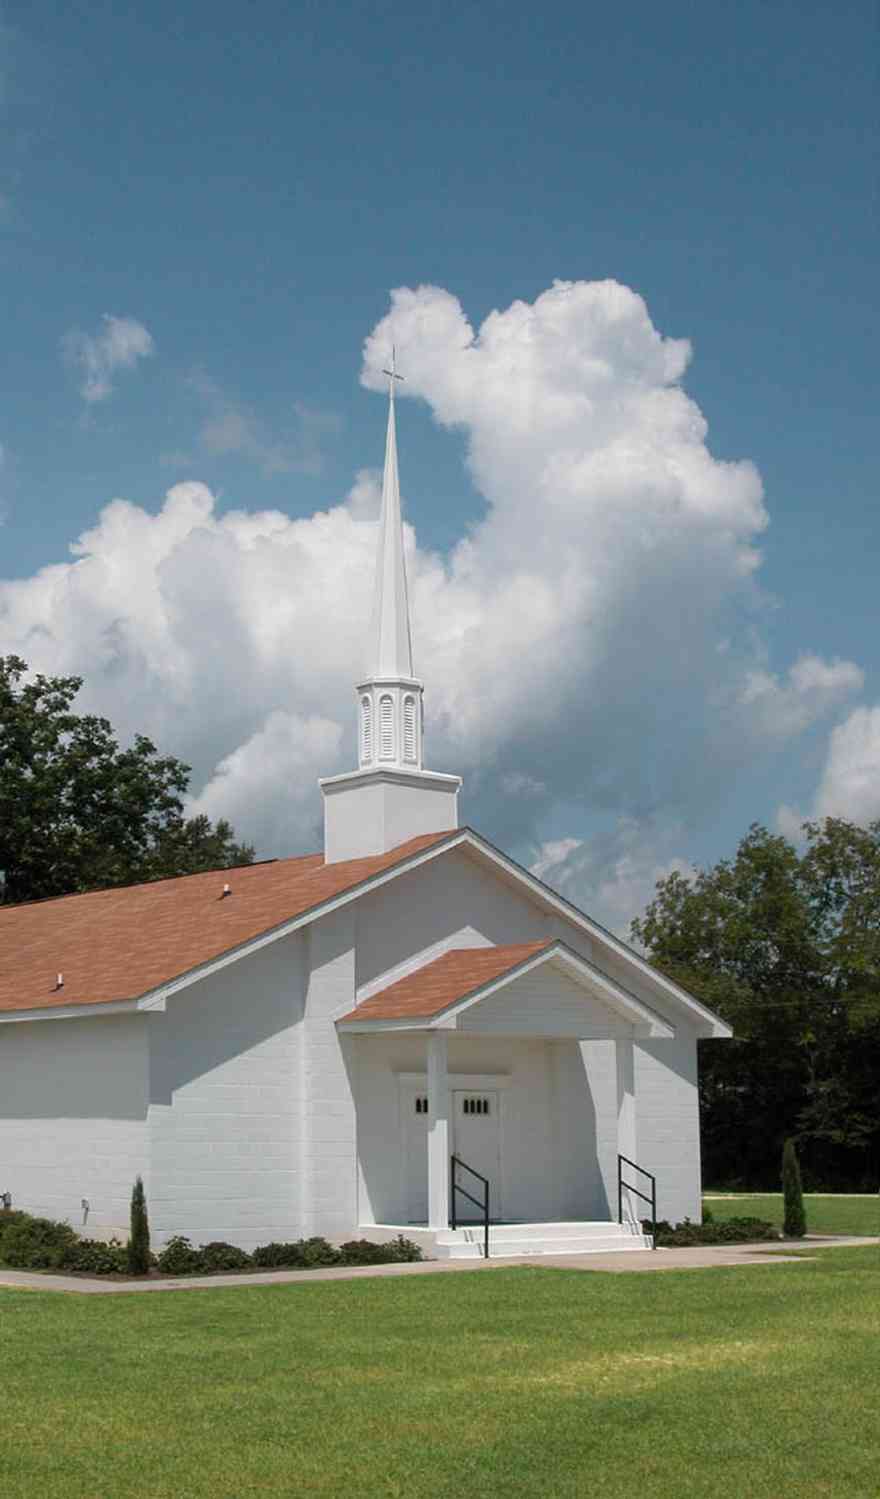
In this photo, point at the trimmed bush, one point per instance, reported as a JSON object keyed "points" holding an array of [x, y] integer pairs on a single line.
{"points": [[138, 1253], [94, 1257], [29, 1243], [302, 1254], [365, 1252], [179, 1257], [687, 1235], [220, 1256], [794, 1223]]}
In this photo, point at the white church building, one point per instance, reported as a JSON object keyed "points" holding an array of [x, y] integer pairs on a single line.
{"points": [[375, 1039]]}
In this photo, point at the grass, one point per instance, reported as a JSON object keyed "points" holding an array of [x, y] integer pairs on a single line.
{"points": [[519, 1381], [826, 1214]]}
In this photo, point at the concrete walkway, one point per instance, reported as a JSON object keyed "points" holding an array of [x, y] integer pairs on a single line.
{"points": [[621, 1262]]}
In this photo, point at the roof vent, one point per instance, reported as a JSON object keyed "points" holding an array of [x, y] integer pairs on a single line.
{"points": [[226, 891], [59, 981]]}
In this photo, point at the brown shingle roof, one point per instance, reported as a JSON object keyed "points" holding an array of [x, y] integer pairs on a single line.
{"points": [[445, 981], [120, 944]]}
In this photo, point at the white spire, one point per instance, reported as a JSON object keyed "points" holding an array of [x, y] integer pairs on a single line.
{"points": [[390, 639], [390, 797]]}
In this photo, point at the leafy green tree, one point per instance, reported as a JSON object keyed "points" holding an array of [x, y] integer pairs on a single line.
{"points": [[138, 1248], [794, 1223], [785, 945], [77, 812]]}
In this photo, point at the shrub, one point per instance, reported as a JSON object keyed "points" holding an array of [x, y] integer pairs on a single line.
{"points": [[95, 1257], [732, 1231], [794, 1224], [303, 1254], [180, 1258], [364, 1252], [28, 1243], [139, 1240], [220, 1256]]}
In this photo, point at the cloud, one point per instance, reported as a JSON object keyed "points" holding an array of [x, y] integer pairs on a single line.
{"points": [[614, 873], [781, 708], [591, 649], [118, 345], [288, 750], [232, 428], [850, 783]]}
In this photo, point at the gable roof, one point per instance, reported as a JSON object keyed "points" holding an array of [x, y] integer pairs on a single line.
{"points": [[121, 944], [458, 978], [136, 944], [449, 978]]}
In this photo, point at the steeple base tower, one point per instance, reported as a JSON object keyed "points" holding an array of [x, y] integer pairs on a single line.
{"points": [[391, 797], [372, 811]]}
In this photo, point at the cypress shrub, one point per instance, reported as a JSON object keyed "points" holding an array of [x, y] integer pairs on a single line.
{"points": [[794, 1224], [139, 1242]]}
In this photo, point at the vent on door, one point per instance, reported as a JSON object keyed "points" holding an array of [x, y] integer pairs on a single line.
{"points": [[421, 1105], [476, 1106]]}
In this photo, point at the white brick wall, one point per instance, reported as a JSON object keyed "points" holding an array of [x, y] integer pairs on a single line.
{"points": [[73, 1105], [225, 1118], [668, 1122], [329, 1127]]}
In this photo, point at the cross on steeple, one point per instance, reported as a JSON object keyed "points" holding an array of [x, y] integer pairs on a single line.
{"points": [[392, 373]]}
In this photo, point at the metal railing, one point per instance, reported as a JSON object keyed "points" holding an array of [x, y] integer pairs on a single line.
{"points": [[483, 1206], [623, 1160]]}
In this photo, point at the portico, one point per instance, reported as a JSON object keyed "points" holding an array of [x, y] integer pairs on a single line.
{"points": [[498, 1057]]}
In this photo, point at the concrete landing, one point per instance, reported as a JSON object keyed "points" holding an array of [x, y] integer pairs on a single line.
{"points": [[715, 1256]]}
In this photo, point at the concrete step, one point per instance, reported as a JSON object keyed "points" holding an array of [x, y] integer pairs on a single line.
{"points": [[570, 1228], [515, 1240]]}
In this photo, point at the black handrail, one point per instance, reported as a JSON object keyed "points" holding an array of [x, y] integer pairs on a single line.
{"points": [[484, 1205], [624, 1160]]}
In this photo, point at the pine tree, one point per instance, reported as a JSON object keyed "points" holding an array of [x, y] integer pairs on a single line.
{"points": [[795, 1221], [139, 1242]]}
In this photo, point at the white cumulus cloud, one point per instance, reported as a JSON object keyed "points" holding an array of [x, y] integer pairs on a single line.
{"points": [[592, 644], [118, 345], [850, 783]]}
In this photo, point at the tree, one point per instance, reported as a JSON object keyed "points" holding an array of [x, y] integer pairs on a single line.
{"points": [[77, 812], [794, 1223], [139, 1238], [785, 945]]}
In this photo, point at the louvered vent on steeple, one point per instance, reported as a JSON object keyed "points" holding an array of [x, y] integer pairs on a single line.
{"points": [[409, 729], [386, 727], [366, 729]]}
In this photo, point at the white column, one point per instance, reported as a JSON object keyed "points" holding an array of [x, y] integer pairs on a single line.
{"points": [[438, 1131], [626, 1125]]}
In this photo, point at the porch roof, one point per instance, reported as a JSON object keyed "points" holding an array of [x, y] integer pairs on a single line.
{"points": [[441, 990]]}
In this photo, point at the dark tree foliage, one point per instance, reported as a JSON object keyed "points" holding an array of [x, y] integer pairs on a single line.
{"points": [[138, 1249], [77, 812], [794, 1224], [785, 945]]}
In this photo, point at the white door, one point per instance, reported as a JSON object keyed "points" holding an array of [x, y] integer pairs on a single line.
{"points": [[414, 1104], [476, 1133]]}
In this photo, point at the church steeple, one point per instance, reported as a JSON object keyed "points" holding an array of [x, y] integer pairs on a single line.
{"points": [[391, 639], [390, 700], [390, 797]]}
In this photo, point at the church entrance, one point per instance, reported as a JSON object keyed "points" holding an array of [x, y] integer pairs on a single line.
{"points": [[475, 1137]]}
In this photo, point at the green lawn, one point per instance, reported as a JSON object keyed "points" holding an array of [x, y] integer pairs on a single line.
{"points": [[515, 1382], [826, 1214]]}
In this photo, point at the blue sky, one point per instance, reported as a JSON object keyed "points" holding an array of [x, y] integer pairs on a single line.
{"points": [[249, 185]]}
